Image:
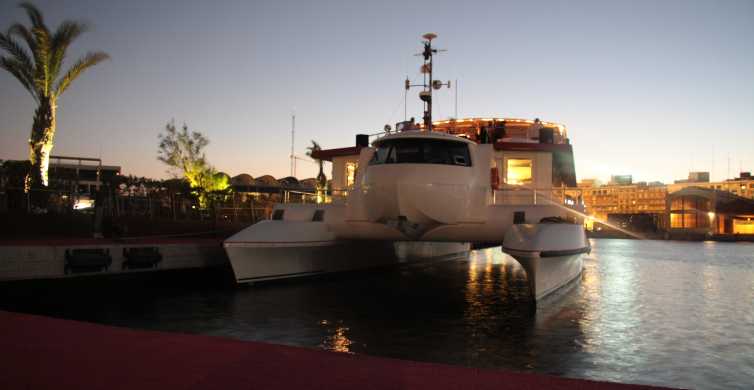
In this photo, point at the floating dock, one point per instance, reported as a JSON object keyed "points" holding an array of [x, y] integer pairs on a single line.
{"points": [[46, 353], [66, 258]]}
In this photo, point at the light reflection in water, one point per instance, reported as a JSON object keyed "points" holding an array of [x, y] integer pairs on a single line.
{"points": [[491, 313], [614, 316], [337, 339]]}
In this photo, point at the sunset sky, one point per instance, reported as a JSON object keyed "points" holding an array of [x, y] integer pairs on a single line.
{"points": [[649, 88]]}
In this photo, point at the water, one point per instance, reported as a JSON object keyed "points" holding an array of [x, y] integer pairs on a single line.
{"points": [[651, 312]]}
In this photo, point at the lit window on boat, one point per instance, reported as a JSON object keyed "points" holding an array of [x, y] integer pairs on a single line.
{"points": [[351, 173], [519, 171]]}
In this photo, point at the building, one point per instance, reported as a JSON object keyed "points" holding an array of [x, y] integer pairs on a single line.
{"points": [[633, 205], [699, 211], [742, 186], [695, 177], [620, 202], [80, 175], [621, 180]]}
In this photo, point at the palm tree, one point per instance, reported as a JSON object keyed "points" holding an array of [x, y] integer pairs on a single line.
{"points": [[40, 71], [311, 151]]}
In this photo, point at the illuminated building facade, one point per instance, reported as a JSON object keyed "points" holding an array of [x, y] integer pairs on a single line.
{"points": [[603, 201], [626, 204], [706, 212]]}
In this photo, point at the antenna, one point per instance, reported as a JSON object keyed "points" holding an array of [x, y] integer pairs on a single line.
{"points": [[456, 99], [426, 69], [405, 99], [712, 169], [293, 140]]}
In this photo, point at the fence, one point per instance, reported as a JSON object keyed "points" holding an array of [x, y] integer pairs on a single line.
{"points": [[242, 207]]}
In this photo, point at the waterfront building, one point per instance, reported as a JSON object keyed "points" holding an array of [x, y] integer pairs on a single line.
{"points": [[619, 203], [699, 211], [83, 175], [633, 206], [78, 175]]}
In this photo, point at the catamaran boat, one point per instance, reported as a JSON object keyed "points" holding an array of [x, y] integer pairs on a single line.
{"points": [[430, 191]]}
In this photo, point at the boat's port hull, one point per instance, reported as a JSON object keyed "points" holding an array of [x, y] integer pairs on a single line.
{"points": [[260, 262]]}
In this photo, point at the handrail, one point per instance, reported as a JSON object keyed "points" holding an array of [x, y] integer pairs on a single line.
{"points": [[569, 196]]}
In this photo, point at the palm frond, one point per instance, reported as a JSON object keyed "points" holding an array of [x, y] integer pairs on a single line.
{"points": [[66, 33], [23, 32], [14, 49], [35, 15], [89, 60], [20, 72], [313, 148]]}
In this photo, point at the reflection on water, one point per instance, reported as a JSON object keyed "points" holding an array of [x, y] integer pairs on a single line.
{"points": [[666, 313], [337, 339]]}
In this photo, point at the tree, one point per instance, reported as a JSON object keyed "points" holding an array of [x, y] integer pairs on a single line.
{"points": [[312, 151], [184, 151], [40, 71]]}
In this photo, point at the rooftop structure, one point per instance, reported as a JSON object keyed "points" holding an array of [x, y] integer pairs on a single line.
{"points": [[621, 180], [695, 177], [741, 186]]}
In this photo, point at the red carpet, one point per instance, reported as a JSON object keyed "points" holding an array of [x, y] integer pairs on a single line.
{"points": [[46, 353]]}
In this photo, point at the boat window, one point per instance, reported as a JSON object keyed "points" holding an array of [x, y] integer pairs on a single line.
{"points": [[351, 173], [422, 151], [519, 171]]}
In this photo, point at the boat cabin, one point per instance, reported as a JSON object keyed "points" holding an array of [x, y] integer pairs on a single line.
{"points": [[530, 158]]}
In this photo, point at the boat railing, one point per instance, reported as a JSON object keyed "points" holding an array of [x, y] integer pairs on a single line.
{"points": [[510, 195], [524, 195]]}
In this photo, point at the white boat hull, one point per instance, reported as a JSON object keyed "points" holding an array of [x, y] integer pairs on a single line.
{"points": [[547, 274], [258, 263], [308, 249], [550, 253]]}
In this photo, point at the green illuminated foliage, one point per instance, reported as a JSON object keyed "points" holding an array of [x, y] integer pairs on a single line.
{"points": [[183, 151]]}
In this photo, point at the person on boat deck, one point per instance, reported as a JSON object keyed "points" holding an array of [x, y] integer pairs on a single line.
{"points": [[533, 132], [484, 136], [498, 132]]}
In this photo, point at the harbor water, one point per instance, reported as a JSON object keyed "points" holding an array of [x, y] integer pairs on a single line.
{"points": [[678, 314]]}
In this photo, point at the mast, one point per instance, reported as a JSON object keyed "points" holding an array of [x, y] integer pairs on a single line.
{"points": [[426, 69], [293, 138], [428, 51]]}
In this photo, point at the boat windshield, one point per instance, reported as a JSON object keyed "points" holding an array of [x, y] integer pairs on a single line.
{"points": [[422, 151]]}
